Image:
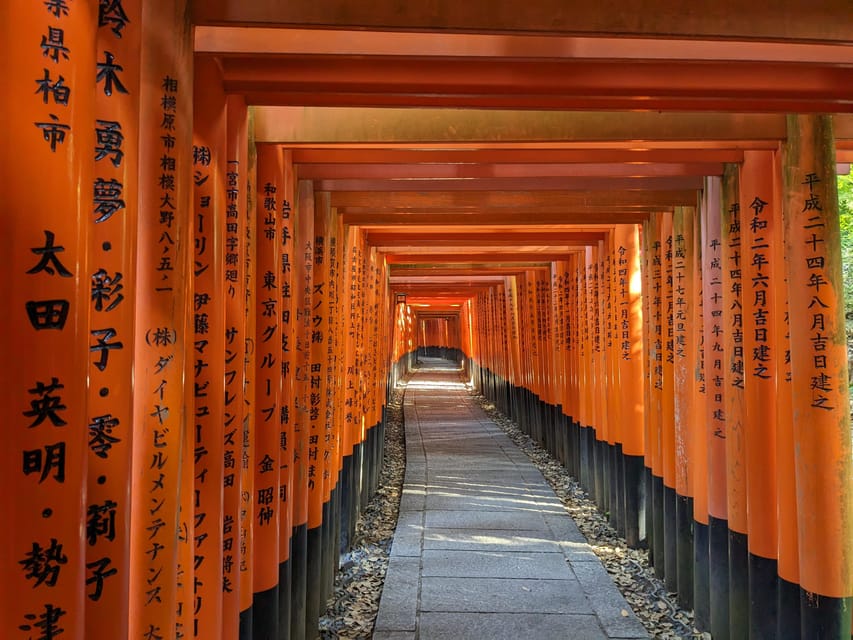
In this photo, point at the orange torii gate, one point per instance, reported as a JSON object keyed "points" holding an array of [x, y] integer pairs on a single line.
{"points": [[205, 317]]}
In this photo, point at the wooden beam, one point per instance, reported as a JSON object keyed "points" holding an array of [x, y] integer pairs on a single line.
{"points": [[420, 126], [712, 19], [579, 215]]}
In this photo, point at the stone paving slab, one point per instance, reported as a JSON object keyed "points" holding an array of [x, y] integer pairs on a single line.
{"points": [[502, 595], [483, 547], [489, 540], [508, 626]]}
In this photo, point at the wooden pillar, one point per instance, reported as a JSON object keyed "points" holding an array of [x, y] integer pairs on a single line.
{"points": [[762, 278], [288, 476], [48, 151], [163, 328], [208, 358], [822, 436], [714, 331], [267, 436], [684, 379], [302, 625], [734, 385], [247, 432], [112, 308], [630, 373], [667, 418], [236, 334]]}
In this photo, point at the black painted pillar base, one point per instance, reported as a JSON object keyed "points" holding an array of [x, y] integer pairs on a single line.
{"points": [[284, 600], [824, 617], [299, 581], [659, 537], [265, 614], [633, 471], [718, 563], [618, 470], [613, 486], [313, 583], [763, 596], [330, 552], [670, 539], [347, 524], [585, 462], [649, 515], [738, 585], [788, 607], [701, 591], [246, 624], [684, 549]]}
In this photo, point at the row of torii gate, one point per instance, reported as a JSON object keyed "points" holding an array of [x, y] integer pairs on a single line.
{"points": [[227, 244]]}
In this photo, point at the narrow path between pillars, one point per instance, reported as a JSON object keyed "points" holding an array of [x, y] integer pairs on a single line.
{"points": [[483, 547]]}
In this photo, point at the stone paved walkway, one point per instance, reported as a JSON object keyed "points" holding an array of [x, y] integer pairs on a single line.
{"points": [[483, 547]]}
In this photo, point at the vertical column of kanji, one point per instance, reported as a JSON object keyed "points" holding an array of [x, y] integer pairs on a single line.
{"points": [[536, 354], [583, 371], [48, 118], [573, 349], [734, 381], [819, 369], [699, 434], [684, 300], [286, 435], [558, 313], [209, 167], [592, 370], [614, 419], [649, 400], [318, 325], [301, 625], [601, 410], [667, 416], [788, 599], [714, 331], [112, 247], [235, 340], [630, 372], [515, 343], [761, 231], [267, 441], [335, 351], [351, 444], [654, 436], [159, 542], [246, 433]]}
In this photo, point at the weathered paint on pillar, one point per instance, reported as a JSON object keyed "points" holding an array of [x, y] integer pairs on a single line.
{"points": [[47, 159], [819, 376]]}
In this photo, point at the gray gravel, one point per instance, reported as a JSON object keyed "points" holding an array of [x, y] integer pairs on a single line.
{"points": [[353, 607]]}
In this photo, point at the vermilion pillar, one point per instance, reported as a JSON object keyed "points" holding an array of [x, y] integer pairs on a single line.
{"points": [[629, 340], [267, 435], [763, 279], [209, 349], [236, 336], [48, 149], [684, 301], [734, 377], [714, 331], [822, 439], [112, 302], [163, 330]]}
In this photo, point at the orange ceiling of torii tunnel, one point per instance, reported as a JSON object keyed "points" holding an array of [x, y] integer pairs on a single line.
{"points": [[474, 141]]}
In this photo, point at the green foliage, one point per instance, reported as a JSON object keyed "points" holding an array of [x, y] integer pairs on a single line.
{"points": [[845, 216]]}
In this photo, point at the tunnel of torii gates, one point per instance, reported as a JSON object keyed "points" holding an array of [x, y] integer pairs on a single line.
{"points": [[226, 239]]}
